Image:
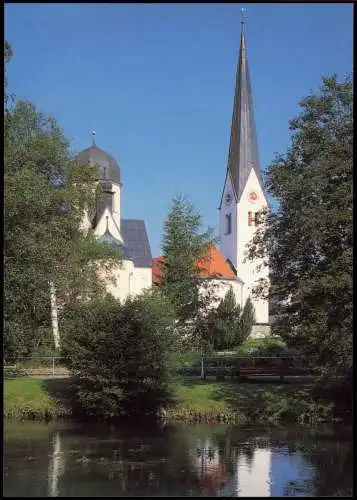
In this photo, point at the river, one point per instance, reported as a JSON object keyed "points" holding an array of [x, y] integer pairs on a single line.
{"points": [[175, 460]]}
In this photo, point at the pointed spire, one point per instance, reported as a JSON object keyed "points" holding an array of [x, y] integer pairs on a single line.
{"points": [[243, 148]]}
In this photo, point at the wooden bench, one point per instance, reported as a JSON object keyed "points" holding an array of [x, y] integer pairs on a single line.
{"points": [[263, 370]]}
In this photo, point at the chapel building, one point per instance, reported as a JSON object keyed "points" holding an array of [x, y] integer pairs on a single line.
{"points": [[129, 235]]}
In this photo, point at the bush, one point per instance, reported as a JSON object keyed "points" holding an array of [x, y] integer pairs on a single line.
{"points": [[119, 354], [225, 322]]}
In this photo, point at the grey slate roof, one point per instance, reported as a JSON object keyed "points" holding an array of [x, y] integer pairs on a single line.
{"points": [[108, 239], [243, 147], [109, 167], [136, 239]]}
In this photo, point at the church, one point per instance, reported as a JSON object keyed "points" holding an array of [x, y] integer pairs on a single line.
{"points": [[129, 235], [242, 197]]}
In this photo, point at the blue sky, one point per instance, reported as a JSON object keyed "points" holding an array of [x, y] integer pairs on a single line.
{"points": [[156, 82]]}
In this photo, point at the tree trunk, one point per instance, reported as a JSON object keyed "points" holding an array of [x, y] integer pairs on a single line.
{"points": [[54, 317], [203, 375]]}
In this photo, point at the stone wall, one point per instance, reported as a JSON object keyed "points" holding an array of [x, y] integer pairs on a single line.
{"points": [[260, 331]]}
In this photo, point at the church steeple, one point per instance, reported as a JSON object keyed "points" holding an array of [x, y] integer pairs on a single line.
{"points": [[243, 195], [243, 147]]}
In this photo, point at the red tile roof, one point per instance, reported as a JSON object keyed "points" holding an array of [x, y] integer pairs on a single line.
{"points": [[213, 266]]}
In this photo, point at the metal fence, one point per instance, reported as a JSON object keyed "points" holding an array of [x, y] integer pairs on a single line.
{"points": [[41, 366], [235, 366], [54, 366]]}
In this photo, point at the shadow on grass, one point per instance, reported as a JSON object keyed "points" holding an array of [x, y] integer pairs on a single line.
{"points": [[258, 394], [62, 390], [275, 402]]}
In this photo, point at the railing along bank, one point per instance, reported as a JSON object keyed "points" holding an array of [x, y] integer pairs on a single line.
{"points": [[234, 366]]}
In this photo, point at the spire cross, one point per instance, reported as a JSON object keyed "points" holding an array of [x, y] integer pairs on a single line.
{"points": [[242, 14]]}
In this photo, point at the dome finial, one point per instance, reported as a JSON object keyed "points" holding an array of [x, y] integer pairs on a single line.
{"points": [[93, 138]]}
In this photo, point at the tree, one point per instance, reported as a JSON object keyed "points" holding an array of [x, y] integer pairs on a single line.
{"points": [[7, 59], [247, 320], [184, 245], [308, 238], [223, 322], [46, 194], [119, 354]]}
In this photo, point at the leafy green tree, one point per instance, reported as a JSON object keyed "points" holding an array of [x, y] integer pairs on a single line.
{"points": [[184, 245], [7, 59], [307, 241], [46, 194], [247, 320], [119, 355]]}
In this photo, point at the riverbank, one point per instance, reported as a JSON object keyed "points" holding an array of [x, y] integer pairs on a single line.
{"points": [[36, 399], [196, 401]]}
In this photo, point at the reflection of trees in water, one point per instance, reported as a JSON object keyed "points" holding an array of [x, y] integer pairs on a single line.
{"points": [[330, 460], [333, 465], [147, 465], [174, 460], [248, 450], [210, 464]]}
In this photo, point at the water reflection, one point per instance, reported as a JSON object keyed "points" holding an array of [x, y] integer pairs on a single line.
{"points": [[200, 460], [56, 466]]}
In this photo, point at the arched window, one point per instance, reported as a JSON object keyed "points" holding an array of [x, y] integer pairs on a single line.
{"points": [[228, 223]]}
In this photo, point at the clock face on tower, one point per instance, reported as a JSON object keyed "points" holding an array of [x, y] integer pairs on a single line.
{"points": [[228, 198], [252, 197]]}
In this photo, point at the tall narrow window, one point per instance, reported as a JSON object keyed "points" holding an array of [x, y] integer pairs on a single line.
{"points": [[228, 223], [250, 219]]}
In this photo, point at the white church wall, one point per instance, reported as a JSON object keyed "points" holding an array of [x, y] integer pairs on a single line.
{"points": [[127, 280], [102, 226], [142, 279], [120, 282], [248, 271], [116, 204], [228, 245]]}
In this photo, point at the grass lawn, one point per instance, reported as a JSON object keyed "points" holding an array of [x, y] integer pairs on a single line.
{"points": [[34, 398], [195, 400], [246, 402]]}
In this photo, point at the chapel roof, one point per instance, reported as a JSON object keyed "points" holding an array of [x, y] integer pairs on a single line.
{"points": [[214, 266], [136, 239], [108, 166], [108, 239], [135, 245]]}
